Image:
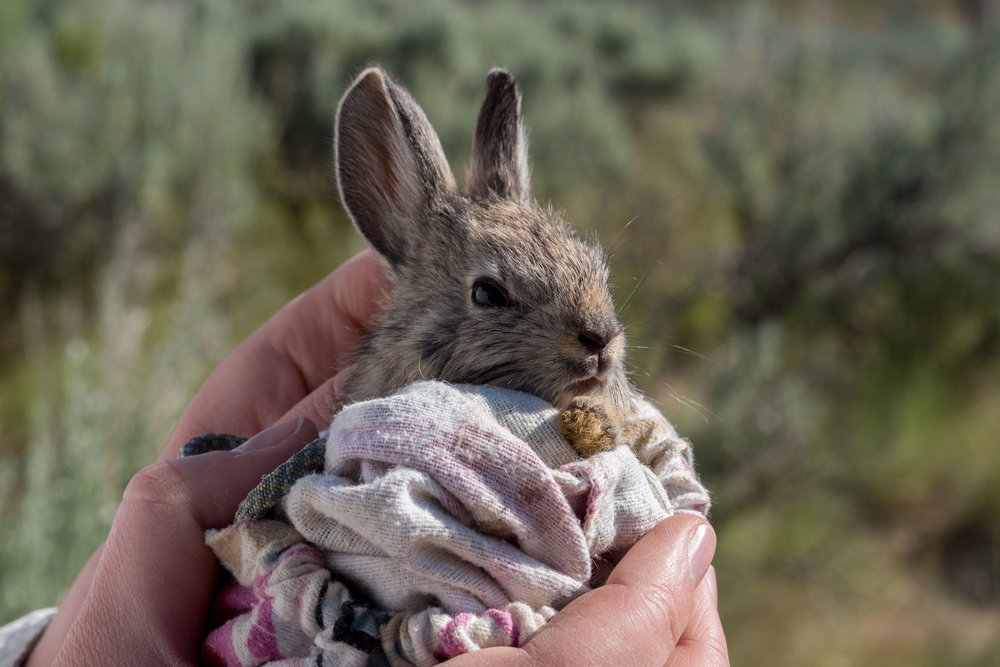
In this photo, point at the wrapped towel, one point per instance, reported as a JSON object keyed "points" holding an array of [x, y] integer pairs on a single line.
{"points": [[445, 519]]}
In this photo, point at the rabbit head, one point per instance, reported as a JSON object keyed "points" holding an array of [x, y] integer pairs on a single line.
{"points": [[488, 287]]}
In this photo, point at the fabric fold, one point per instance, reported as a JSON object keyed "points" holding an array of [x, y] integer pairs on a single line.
{"points": [[446, 518]]}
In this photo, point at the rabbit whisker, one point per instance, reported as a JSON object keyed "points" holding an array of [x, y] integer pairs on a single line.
{"points": [[637, 239], [612, 250], [638, 284], [700, 356], [702, 411]]}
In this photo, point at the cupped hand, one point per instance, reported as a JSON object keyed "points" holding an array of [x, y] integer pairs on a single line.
{"points": [[292, 365], [658, 607], [149, 596]]}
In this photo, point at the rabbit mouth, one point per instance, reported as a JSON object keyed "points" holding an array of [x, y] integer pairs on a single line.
{"points": [[585, 386]]}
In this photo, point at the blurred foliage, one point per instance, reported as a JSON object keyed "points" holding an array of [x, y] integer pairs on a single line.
{"points": [[800, 199]]}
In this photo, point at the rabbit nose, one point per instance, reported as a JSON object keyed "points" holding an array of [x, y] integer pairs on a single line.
{"points": [[596, 340], [593, 341]]}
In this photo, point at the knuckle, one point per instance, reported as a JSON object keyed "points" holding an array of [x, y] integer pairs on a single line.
{"points": [[157, 484], [662, 608], [719, 652]]}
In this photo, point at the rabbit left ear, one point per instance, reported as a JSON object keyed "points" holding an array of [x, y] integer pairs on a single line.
{"points": [[391, 169], [499, 164]]}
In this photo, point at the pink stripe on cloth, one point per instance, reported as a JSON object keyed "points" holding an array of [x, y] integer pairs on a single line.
{"points": [[236, 599], [278, 611], [449, 639], [261, 639], [505, 622], [218, 648]]}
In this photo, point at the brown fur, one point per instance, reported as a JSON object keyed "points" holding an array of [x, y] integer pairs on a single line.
{"points": [[557, 328]]}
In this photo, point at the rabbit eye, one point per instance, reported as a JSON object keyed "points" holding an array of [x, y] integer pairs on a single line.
{"points": [[489, 294]]}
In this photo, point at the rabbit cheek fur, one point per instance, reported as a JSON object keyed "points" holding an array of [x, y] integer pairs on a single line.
{"points": [[488, 288]]}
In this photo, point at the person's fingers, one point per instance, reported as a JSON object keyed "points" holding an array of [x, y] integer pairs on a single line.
{"points": [[213, 484], [48, 645], [342, 308], [703, 643], [155, 571], [638, 617], [644, 608], [642, 611], [323, 402], [292, 354]]}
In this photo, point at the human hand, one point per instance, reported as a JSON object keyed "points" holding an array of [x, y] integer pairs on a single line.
{"points": [[292, 365], [151, 587], [658, 607]]}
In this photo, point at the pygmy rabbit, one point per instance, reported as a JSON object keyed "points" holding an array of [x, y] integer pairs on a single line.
{"points": [[488, 287]]}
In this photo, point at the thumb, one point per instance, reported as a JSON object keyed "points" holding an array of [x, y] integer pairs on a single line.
{"points": [[155, 576], [645, 606]]}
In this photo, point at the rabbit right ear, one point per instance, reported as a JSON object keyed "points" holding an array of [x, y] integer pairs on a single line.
{"points": [[391, 169], [499, 164]]}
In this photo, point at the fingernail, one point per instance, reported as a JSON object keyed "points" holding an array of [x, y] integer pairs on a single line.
{"points": [[712, 584], [701, 549], [272, 436]]}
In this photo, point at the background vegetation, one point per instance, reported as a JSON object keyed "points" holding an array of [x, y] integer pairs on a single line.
{"points": [[801, 195]]}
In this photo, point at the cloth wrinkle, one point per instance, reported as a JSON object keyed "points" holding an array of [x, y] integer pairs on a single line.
{"points": [[433, 522]]}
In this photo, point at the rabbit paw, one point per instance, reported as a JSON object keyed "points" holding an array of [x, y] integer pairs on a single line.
{"points": [[588, 426]]}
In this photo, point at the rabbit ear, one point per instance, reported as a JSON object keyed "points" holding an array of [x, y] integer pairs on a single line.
{"points": [[499, 164], [390, 166]]}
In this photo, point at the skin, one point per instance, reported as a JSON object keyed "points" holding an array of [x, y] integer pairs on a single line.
{"points": [[144, 595]]}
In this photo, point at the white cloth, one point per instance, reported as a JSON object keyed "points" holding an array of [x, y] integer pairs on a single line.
{"points": [[448, 518], [18, 637]]}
